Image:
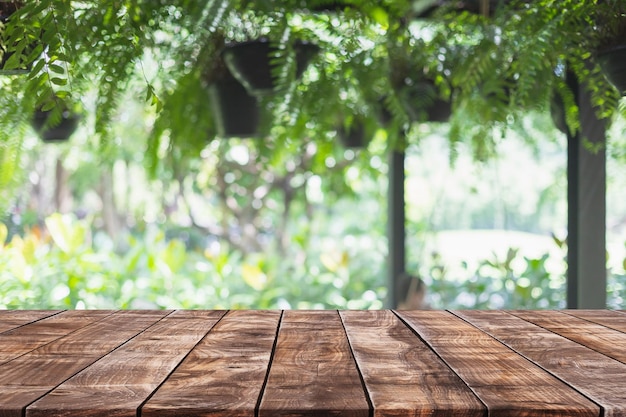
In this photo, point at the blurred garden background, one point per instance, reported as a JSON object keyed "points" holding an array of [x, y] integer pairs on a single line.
{"points": [[231, 234], [149, 205]]}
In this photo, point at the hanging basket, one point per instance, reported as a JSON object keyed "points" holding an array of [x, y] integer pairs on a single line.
{"points": [[439, 111], [353, 136], [331, 6], [557, 112], [60, 132], [613, 64], [428, 9], [251, 63], [235, 111], [422, 102]]}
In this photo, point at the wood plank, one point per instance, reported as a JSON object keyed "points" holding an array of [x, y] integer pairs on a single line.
{"points": [[609, 318], [507, 383], [313, 372], [118, 383], [402, 375], [592, 335], [26, 378], [21, 340], [224, 374], [598, 377], [11, 319]]}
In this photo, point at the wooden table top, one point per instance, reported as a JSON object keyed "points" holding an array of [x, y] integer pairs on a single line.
{"points": [[312, 363]]}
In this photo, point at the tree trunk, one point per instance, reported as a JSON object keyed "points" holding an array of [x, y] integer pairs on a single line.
{"points": [[62, 191], [111, 219]]}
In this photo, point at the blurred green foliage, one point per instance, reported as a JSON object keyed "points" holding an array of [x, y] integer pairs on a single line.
{"points": [[140, 69], [513, 282], [69, 266]]}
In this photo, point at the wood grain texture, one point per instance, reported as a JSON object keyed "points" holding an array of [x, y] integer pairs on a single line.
{"points": [[11, 319], [224, 374], [585, 367], [609, 318], [313, 363], [402, 375], [508, 384], [592, 335], [597, 376], [23, 339], [313, 372], [118, 383], [26, 378], [13, 399]]}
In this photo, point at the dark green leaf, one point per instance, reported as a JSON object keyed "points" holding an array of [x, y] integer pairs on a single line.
{"points": [[56, 68], [58, 81]]}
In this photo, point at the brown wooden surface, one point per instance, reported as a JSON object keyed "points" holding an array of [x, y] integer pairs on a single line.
{"points": [[402, 375], [313, 371], [592, 335], [224, 374], [11, 319], [26, 378], [313, 363], [613, 319], [121, 381], [597, 376], [505, 382], [23, 339]]}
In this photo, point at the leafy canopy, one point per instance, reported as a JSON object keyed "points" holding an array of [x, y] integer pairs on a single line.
{"points": [[491, 63]]}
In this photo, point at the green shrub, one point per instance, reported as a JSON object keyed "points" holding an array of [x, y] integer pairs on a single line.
{"points": [[66, 265]]}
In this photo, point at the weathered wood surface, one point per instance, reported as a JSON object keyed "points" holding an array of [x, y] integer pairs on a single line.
{"points": [[313, 371], [313, 363], [507, 383], [23, 339], [25, 379], [595, 375], [118, 383], [224, 374], [11, 319], [587, 333], [403, 376]]}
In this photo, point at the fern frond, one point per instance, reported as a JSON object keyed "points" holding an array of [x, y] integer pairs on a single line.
{"points": [[13, 127]]}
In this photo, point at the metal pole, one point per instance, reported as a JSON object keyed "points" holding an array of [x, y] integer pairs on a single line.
{"points": [[573, 187], [395, 226], [586, 276]]}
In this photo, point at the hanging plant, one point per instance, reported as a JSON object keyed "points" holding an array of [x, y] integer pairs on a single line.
{"points": [[557, 112], [11, 55], [353, 132], [331, 6], [611, 54], [540, 36], [422, 101], [236, 113], [255, 63], [429, 8], [56, 121], [417, 92]]}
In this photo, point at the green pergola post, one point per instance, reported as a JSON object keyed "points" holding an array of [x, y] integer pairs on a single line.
{"points": [[586, 195], [395, 226]]}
